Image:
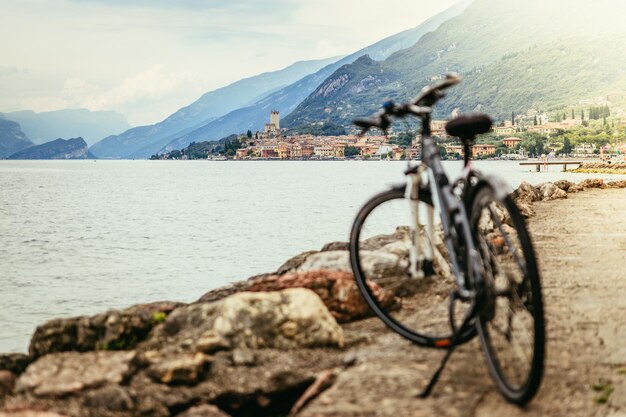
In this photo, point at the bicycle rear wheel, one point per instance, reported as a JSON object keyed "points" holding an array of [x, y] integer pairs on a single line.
{"points": [[380, 243], [511, 323]]}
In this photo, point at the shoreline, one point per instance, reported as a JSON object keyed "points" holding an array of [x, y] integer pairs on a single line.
{"points": [[124, 361]]}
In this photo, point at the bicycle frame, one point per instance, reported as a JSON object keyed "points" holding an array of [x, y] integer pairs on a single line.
{"points": [[430, 175]]}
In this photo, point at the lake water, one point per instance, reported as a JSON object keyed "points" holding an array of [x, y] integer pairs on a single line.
{"points": [[81, 237]]}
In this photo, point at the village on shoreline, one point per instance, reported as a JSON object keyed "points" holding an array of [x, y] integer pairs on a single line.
{"points": [[591, 134]]}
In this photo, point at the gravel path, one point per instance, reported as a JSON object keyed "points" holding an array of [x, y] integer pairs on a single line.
{"points": [[581, 244]]}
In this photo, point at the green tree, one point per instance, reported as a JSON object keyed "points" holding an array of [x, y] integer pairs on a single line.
{"points": [[249, 134], [404, 139], [582, 114], [573, 117], [567, 147], [351, 151], [535, 120], [539, 146], [512, 118]]}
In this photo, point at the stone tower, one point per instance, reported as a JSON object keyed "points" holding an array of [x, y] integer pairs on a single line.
{"points": [[275, 119]]}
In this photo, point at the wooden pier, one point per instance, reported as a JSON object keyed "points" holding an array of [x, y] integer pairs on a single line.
{"points": [[545, 163]]}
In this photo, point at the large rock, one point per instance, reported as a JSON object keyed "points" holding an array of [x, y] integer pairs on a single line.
{"points": [[574, 188], [225, 291], [337, 289], [526, 209], [563, 184], [294, 263], [113, 330], [527, 193], [65, 373], [401, 248], [616, 184], [287, 319], [592, 183], [14, 362], [550, 191], [335, 246], [379, 241], [376, 264]]}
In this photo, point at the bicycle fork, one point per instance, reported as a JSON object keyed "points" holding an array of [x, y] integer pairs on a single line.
{"points": [[422, 216]]}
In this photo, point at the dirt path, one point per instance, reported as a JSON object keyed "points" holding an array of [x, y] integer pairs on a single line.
{"points": [[581, 243]]}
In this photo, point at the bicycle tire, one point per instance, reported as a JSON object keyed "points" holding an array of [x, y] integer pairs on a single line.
{"points": [[389, 317], [523, 296]]}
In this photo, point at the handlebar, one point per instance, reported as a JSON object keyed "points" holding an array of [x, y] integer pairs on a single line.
{"points": [[419, 106]]}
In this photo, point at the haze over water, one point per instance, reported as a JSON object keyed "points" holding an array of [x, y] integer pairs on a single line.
{"points": [[81, 237]]}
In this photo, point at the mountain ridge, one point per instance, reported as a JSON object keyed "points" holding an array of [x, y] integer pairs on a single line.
{"points": [[287, 99], [42, 127], [210, 105], [75, 148], [485, 32], [12, 138]]}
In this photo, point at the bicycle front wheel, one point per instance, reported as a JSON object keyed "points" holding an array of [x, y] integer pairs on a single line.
{"points": [[381, 241], [511, 322]]}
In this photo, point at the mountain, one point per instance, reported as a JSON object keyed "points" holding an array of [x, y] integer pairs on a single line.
{"points": [[545, 77], [91, 125], [210, 105], [12, 139], [57, 149], [476, 40], [287, 99]]}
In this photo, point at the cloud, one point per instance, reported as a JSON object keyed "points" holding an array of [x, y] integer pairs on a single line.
{"points": [[103, 54], [142, 97], [150, 85]]}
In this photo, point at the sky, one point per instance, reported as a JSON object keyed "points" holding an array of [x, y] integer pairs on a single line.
{"points": [[147, 58]]}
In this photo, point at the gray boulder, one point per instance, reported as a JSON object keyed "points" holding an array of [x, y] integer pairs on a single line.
{"points": [[526, 192], [113, 330], [377, 264], [335, 246], [293, 263], [66, 373], [287, 319], [550, 191], [592, 183], [563, 184]]}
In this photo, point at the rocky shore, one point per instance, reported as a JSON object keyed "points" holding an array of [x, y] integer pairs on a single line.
{"points": [[299, 341], [602, 168]]}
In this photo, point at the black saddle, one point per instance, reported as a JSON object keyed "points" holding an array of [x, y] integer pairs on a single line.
{"points": [[467, 126]]}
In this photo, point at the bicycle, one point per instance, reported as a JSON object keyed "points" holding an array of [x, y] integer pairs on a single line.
{"points": [[474, 274]]}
